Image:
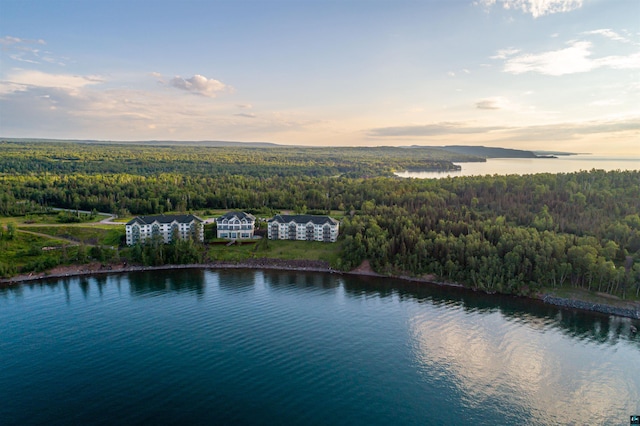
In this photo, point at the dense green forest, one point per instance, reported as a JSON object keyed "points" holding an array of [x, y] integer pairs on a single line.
{"points": [[511, 234], [71, 158]]}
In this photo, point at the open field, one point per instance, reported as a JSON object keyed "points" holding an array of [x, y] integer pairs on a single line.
{"points": [[91, 235]]}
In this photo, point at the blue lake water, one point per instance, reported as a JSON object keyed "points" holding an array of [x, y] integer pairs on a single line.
{"points": [[526, 166], [262, 347]]}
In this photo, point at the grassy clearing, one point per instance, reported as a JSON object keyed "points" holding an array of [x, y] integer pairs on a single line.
{"points": [[32, 253], [108, 235], [23, 245], [233, 253], [122, 220], [52, 218]]}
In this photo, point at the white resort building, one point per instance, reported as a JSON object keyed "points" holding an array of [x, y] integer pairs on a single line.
{"points": [[185, 226], [303, 227], [235, 226]]}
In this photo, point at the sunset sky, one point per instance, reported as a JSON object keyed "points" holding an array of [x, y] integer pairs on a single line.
{"points": [[528, 74]]}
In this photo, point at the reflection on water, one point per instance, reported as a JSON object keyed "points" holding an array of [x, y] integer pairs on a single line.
{"points": [[276, 279], [309, 346], [167, 281], [534, 314], [535, 372]]}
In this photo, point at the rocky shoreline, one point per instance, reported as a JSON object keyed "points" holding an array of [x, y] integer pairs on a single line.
{"points": [[292, 265], [588, 306]]}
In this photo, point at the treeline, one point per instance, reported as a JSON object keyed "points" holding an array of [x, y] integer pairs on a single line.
{"points": [[499, 233], [491, 254], [507, 234], [154, 252], [587, 203], [70, 158]]}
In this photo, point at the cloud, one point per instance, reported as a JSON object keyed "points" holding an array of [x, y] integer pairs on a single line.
{"points": [[546, 132], [34, 78], [570, 60], [571, 130], [557, 62], [79, 107], [610, 34], [438, 129], [199, 85], [536, 8], [26, 50], [20, 58], [620, 62], [504, 53], [494, 103], [9, 40]]}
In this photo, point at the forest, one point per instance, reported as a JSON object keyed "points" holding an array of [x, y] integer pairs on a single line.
{"points": [[509, 234]]}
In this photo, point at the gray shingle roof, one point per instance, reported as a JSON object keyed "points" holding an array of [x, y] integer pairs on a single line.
{"points": [[147, 220], [303, 218], [239, 215]]}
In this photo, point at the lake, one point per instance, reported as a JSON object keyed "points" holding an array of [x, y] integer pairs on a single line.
{"points": [[262, 347], [524, 166]]}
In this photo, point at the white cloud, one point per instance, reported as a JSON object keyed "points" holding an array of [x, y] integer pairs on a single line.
{"points": [[9, 40], [7, 88], [571, 60], [547, 132], [536, 8], [20, 58], [199, 85], [436, 129], [42, 79], [558, 62], [26, 50], [504, 53], [495, 103], [610, 34], [620, 62]]}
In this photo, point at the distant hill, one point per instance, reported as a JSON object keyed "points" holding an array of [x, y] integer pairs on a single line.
{"points": [[488, 152], [481, 152], [152, 142]]}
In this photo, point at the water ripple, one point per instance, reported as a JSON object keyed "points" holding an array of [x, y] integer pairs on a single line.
{"points": [[263, 348]]}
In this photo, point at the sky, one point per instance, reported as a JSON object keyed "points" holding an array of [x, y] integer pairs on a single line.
{"points": [[528, 74]]}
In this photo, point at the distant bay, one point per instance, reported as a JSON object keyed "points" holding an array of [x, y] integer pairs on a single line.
{"points": [[525, 166]]}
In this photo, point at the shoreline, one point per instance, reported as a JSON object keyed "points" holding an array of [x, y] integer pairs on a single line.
{"points": [[364, 270]]}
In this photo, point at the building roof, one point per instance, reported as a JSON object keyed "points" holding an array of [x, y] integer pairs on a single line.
{"points": [[303, 218], [170, 218], [238, 215]]}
